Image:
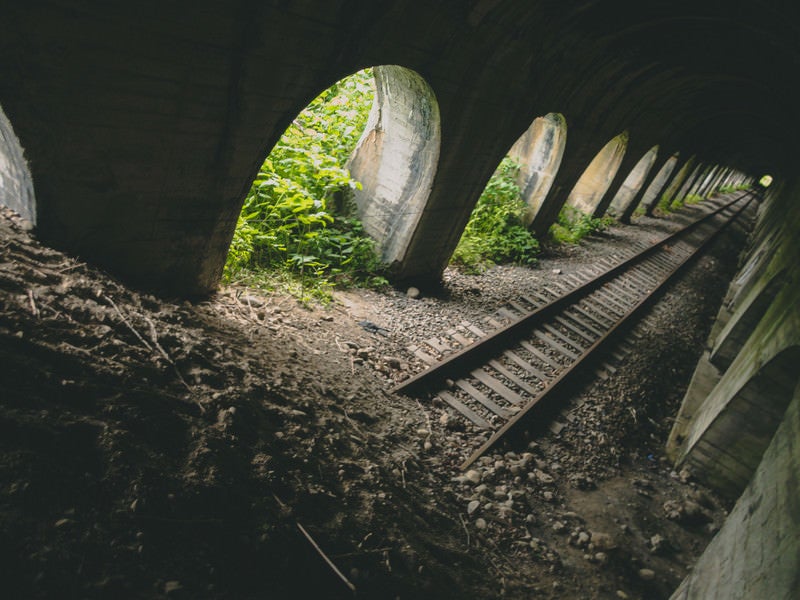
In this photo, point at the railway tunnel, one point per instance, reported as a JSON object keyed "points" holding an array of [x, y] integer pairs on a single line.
{"points": [[131, 133]]}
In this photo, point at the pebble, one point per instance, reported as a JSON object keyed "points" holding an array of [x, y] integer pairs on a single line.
{"points": [[647, 574], [480, 523], [473, 506], [603, 541], [622, 595], [558, 526], [413, 293], [473, 476]]}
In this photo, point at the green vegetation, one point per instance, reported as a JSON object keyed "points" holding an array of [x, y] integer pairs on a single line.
{"points": [[573, 225], [693, 199], [495, 233], [289, 235]]}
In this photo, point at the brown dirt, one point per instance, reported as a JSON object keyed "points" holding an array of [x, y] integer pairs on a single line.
{"points": [[160, 449]]}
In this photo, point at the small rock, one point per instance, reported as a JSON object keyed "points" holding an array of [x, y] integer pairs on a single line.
{"points": [[647, 574], [412, 293], [622, 595], [603, 541], [171, 588], [658, 544], [601, 558], [558, 526], [473, 506], [542, 477], [583, 538], [556, 271], [548, 496], [480, 523], [395, 363], [473, 476]]}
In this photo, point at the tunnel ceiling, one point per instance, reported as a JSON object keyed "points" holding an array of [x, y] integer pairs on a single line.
{"points": [[732, 65]]}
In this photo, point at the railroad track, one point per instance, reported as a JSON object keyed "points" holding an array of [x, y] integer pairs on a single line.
{"points": [[495, 379]]}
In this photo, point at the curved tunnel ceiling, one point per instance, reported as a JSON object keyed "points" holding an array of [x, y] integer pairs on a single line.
{"points": [[731, 69]]}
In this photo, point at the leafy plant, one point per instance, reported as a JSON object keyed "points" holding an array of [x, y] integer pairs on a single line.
{"points": [[573, 225], [693, 199], [495, 233], [286, 224]]}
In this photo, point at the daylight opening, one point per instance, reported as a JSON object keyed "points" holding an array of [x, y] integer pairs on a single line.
{"points": [[497, 231], [337, 196], [765, 181]]}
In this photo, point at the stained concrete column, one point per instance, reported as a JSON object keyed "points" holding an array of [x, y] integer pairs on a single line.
{"points": [[539, 152], [396, 158], [656, 180], [691, 184], [671, 189], [635, 166], [582, 147], [16, 185]]}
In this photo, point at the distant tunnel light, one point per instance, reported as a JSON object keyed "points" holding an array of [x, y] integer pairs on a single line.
{"points": [[765, 181]]}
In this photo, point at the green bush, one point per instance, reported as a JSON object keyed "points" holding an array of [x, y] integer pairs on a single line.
{"points": [[573, 225], [495, 233], [286, 224]]}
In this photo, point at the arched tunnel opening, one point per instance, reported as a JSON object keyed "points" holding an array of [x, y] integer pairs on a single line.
{"points": [[610, 411]]}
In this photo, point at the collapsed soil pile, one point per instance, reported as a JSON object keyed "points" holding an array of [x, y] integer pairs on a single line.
{"points": [[226, 449]]}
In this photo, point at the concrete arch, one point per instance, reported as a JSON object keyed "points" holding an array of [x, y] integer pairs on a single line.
{"points": [[16, 183], [633, 182], [735, 434], [593, 184], [539, 152], [749, 312], [396, 158]]}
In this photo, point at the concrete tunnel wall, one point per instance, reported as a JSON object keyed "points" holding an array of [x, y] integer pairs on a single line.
{"points": [[144, 125], [738, 425], [144, 134]]}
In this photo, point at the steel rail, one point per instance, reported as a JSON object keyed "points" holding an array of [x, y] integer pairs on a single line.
{"points": [[577, 346]]}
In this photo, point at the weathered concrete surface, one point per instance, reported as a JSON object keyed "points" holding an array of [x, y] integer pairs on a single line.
{"points": [[595, 181], [539, 152], [633, 183], [756, 554], [722, 433], [16, 186], [396, 158], [654, 183]]}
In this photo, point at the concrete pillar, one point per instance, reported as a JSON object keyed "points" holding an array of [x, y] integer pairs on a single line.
{"points": [[742, 386], [630, 176], [582, 148], [671, 189], [633, 183], [16, 184], [756, 554], [591, 187], [692, 183], [396, 158], [704, 190], [539, 152], [656, 181]]}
